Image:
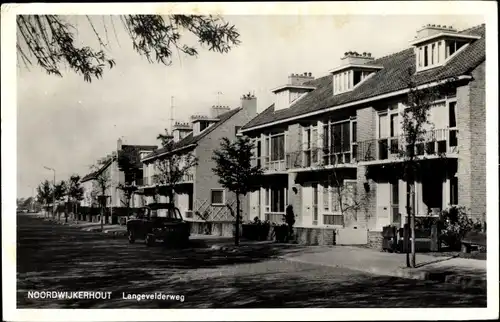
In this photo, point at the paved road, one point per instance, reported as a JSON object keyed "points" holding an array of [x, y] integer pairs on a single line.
{"points": [[53, 257]]}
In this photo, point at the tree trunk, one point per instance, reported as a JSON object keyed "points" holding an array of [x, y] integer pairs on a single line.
{"points": [[408, 214], [237, 234], [412, 225], [102, 217]]}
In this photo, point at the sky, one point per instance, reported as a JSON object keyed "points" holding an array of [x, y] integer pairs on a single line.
{"points": [[68, 124]]}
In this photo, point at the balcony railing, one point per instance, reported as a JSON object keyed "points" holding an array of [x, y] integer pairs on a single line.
{"points": [[320, 157], [149, 181], [274, 165], [435, 142]]}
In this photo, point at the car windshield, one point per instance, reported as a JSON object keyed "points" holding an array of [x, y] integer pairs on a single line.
{"points": [[167, 213]]}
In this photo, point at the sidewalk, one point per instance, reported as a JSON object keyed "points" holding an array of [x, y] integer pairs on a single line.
{"points": [[463, 271]]}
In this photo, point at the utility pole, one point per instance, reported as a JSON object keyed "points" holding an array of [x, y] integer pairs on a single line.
{"points": [[53, 194]]}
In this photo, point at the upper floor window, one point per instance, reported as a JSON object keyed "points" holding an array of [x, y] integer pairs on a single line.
{"points": [[437, 53], [275, 147]]}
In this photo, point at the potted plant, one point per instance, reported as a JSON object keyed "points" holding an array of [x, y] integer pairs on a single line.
{"points": [[281, 233]]}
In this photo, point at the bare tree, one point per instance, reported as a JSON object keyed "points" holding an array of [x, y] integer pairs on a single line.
{"points": [[49, 40]]}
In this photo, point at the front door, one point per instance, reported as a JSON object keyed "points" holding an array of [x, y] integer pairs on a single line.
{"points": [[307, 205], [383, 204], [254, 204]]}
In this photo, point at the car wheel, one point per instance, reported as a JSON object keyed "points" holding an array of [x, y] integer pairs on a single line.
{"points": [[131, 237]]}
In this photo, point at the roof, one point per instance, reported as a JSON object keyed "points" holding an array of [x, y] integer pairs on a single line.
{"points": [[190, 139], [393, 77], [93, 175], [136, 159]]}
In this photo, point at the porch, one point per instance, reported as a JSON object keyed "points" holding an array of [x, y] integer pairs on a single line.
{"points": [[436, 188]]}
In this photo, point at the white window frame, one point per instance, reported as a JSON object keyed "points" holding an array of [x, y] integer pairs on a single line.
{"points": [[267, 199], [223, 196]]}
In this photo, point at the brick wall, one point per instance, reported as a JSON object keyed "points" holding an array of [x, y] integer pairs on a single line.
{"points": [[315, 236], [375, 239], [478, 141], [205, 180], [471, 120]]}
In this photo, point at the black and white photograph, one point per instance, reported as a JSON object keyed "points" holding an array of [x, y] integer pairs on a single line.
{"points": [[250, 156]]}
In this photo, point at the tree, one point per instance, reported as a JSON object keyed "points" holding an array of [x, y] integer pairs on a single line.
{"points": [[75, 191], [171, 168], [49, 40], [235, 171], [60, 191], [102, 184], [415, 127], [44, 194], [127, 165]]}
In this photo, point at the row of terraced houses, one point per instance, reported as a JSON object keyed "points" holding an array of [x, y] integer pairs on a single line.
{"points": [[338, 131]]}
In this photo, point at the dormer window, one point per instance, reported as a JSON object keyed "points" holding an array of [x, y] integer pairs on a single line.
{"points": [[296, 88], [356, 69], [436, 44]]}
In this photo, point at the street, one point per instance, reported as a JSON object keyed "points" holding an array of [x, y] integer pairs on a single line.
{"points": [[53, 257]]}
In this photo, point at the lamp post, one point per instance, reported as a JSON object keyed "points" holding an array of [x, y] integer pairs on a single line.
{"points": [[53, 194]]}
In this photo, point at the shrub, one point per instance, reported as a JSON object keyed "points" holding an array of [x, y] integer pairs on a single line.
{"points": [[455, 224]]}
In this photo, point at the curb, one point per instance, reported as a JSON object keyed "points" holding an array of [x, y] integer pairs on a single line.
{"points": [[464, 281]]}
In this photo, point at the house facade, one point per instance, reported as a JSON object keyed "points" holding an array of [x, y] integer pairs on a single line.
{"points": [[110, 169], [199, 196], [331, 146]]}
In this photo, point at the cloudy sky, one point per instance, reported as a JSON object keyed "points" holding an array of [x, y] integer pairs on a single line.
{"points": [[67, 124]]}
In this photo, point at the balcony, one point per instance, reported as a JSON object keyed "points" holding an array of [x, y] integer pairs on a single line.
{"points": [[150, 181], [321, 158], [274, 165], [433, 143]]}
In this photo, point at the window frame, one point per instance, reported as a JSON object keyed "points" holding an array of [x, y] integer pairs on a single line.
{"points": [[223, 196]]}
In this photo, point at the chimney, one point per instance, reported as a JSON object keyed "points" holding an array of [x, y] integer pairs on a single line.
{"points": [[180, 130], [249, 105], [430, 29], [353, 57], [119, 144], [217, 110], [299, 79]]}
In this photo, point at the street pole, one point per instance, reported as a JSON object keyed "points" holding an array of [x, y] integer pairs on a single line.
{"points": [[53, 195]]}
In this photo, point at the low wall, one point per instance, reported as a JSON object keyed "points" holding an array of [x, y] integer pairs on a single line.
{"points": [[375, 239], [215, 228], [352, 236], [314, 236]]}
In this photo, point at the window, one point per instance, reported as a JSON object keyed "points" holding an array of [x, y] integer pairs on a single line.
{"points": [[190, 200], [276, 199], [426, 56], [277, 147], [420, 56], [433, 54], [394, 125], [354, 132], [383, 130], [452, 114], [454, 191], [217, 197], [356, 77], [236, 129], [439, 45]]}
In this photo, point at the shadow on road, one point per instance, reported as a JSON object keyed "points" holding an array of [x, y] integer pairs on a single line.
{"points": [[52, 257]]}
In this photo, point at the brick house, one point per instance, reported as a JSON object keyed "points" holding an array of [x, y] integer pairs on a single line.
{"points": [[199, 196], [109, 166], [333, 134]]}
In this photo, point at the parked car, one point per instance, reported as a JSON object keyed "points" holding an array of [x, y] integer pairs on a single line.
{"points": [[159, 221]]}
